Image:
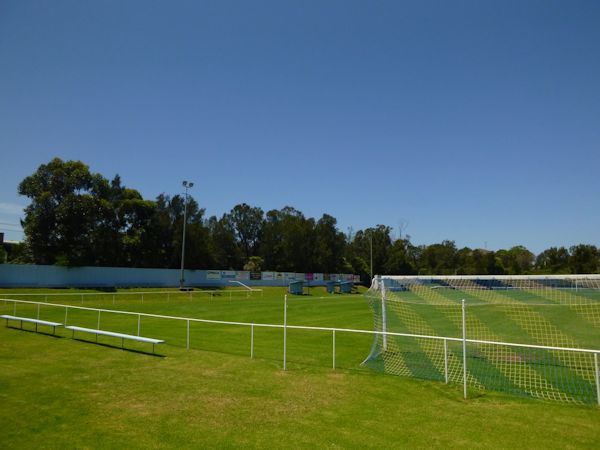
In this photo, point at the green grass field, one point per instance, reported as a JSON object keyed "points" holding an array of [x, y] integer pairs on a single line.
{"points": [[58, 392]]}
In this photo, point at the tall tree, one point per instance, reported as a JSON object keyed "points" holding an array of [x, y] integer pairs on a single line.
{"points": [[64, 209], [247, 223], [328, 256]]}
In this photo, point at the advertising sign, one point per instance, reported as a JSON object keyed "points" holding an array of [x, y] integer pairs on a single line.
{"points": [[228, 274], [255, 275], [268, 276], [213, 274]]}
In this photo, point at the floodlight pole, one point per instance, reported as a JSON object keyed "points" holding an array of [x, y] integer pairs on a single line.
{"points": [[187, 185]]}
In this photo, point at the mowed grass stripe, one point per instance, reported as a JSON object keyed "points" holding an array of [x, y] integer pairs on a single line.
{"points": [[502, 361], [411, 321]]}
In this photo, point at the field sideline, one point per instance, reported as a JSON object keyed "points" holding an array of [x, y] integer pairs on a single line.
{"points": [[58, 392]]}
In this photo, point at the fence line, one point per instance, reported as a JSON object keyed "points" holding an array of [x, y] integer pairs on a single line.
{"points": [[89, 294], [445, 339]]}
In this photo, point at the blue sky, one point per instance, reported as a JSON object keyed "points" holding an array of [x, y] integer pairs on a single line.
{"points": [[475, 121]]}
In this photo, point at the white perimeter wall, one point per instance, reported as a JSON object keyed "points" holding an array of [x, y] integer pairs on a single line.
{"points": [[21, 275]]}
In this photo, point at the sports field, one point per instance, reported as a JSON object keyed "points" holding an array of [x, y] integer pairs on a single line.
{"points": [[58, 392]]}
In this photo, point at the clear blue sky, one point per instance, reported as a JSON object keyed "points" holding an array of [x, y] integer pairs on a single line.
{"points": [[476, 121]]}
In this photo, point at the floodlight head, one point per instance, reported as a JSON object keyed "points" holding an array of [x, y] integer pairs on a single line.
{"points": [[185, 183], [190, 184]]}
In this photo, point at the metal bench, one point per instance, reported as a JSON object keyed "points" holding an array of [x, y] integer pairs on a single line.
{"points": [[122, 336], [30, 320]]}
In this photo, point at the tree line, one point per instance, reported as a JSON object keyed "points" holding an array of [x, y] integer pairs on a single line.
{"points": [[80, 218]]}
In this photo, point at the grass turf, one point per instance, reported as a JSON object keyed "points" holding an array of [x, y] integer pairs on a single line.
{"points": [[58, 392]]}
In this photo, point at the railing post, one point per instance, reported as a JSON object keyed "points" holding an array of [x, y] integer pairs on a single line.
{"points": [[142, 298], [446, 360], [99, 320], [333, 352], [252, 341], [464, 332], [82, 299], [139, 323], [188, 334], [14, 308], [38, 311], [284, 330], [66, 313], [597, 372]]}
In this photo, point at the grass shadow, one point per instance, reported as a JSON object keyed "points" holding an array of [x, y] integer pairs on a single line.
{"points": [[132, 350]]}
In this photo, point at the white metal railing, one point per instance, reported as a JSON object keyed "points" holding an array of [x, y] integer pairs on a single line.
{"points": [[189, 294], [445, 339]]}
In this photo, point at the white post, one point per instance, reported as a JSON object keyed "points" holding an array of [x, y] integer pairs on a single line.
{"points": [[188, 334], [284, 330], [252, 341], [139, 323], [333, 337], [464, 330], [98, 320], [446, 360], [66, 313], [597, 377], [383, 313]]}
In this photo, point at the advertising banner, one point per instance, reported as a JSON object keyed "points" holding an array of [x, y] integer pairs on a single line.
{"points": [[228, 274], [318, 276], [309, 276], [242, 275], [213, 274], [255, 275], [268, 276]]}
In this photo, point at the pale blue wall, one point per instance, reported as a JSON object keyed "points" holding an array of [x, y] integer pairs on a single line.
{"points": [[20, 275]]}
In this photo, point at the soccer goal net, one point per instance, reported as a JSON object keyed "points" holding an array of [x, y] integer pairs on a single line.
{"points": [[535, 336]]}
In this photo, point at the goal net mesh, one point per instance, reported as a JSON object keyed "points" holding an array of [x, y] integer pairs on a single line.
{"points": [[559, 312]]}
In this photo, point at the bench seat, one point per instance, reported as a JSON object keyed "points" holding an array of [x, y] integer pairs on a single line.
{"points": [[31, 320], [121, 336]]}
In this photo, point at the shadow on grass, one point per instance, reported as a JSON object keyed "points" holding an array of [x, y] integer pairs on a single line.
{"points": [[27, 330], [132, 350]]}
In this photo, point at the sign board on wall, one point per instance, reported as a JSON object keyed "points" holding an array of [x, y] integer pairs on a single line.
{"points": [[268, 276], [228, 274], [242, 275], [213, 274], [255, 275]]}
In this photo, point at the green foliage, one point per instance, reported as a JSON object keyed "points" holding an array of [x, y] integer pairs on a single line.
{"points": [[77, 217]]}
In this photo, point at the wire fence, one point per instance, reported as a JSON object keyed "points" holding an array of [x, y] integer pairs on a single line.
{"points": [[538, 371]]}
